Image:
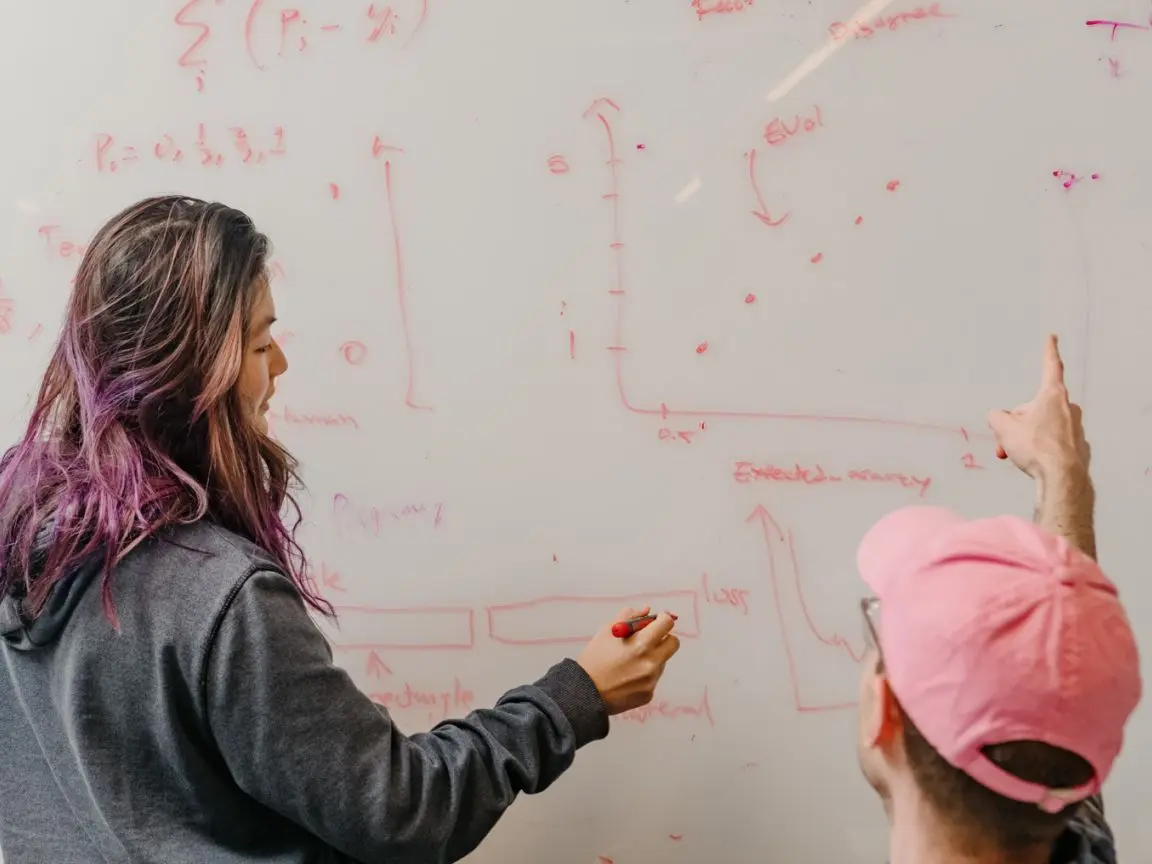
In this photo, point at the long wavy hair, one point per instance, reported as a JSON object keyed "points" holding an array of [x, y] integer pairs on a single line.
{"points": [[138, 425]]}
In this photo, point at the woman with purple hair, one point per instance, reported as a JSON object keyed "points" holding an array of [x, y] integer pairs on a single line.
{"points": [[166, 697]]}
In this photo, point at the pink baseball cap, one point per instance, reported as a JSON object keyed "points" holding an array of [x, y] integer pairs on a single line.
{"points": [[994, 630]]}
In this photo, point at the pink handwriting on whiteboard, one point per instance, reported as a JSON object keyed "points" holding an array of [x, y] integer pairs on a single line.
{"points": [[297, 27], [1115, 26], [665, 709], [748, 472], [112, 155], [295, 417], [736, 598], [867, 29], [436, 704], [704, 8], [58, 248], [192, 57], [7, 307], [778, 131], [376, 521]]}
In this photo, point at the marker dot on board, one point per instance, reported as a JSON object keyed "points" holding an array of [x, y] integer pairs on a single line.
{"points": [[817, 258], [751, 298], [702, 347], [1095, 176], [859, 219], [892, 185], [640, 146]]}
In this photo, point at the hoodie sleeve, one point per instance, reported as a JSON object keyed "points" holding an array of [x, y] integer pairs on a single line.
{"points": [[1088, 838], [301, 738]]}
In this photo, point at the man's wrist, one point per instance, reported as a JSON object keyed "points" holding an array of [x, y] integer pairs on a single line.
{"points": [[1062, 470], [1065, 502]]}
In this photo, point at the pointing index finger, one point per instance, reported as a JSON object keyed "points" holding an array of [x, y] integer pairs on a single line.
{"points": [[1053, 365]]}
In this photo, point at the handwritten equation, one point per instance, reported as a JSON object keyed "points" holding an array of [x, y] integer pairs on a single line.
{"points": [[271, 31], [112, 154]]}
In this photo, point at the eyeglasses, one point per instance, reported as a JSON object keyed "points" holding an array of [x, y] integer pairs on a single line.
{"points": [[870, 608]]}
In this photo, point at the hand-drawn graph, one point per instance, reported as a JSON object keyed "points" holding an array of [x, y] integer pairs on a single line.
{"points": [[603, 112], [560, 620], [780, 554]]}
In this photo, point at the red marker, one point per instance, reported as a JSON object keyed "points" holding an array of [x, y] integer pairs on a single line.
{"points": [[624, 629]]}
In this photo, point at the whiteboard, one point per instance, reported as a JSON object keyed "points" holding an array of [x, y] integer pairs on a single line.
{"points": [[614, 302]]}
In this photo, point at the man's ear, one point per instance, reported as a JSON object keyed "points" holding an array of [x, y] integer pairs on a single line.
{"points": [[884, 721]]}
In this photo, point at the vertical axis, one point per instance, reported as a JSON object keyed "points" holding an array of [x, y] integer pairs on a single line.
{"points": [[402, 293]]}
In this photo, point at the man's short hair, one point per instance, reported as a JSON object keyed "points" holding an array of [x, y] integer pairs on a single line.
{"points": [[982, 820]]}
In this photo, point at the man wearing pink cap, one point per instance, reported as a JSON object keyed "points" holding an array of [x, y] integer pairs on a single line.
{"points": [[1002, 668]]}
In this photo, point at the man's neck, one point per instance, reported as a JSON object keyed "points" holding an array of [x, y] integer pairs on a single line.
{"points": [[917, 835]]}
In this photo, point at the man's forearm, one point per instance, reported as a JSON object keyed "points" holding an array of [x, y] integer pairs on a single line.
{"points": [[1065, 506]]}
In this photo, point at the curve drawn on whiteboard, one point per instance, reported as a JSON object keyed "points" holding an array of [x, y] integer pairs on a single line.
{"points": [[774, 536], [603, 110]]}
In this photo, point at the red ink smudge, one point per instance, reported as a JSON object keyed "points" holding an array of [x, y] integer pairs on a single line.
{"points": [[554, 558], [702, 347], [892, 185], [676, 837], [750, 298], [640, 146], [817, 258], [334, 190], [859, 219]]}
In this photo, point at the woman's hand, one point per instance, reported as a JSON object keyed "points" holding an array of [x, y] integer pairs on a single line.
{"points": [[626, 671]]}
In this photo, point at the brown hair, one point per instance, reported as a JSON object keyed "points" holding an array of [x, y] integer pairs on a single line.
{"points": [[138, 426], [982, 820]]}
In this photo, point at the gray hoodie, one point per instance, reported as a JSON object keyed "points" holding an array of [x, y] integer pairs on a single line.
{"points": [[212, 727]]}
